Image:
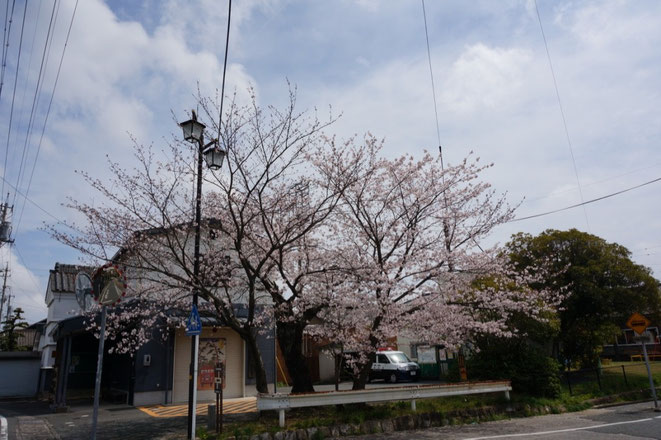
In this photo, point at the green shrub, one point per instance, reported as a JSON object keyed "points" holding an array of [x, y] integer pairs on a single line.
{"points": [[528, 367]]}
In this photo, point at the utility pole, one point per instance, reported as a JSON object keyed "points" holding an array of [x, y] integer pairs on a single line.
{"points": [[5, 222], [9, 297], [4, 288]]}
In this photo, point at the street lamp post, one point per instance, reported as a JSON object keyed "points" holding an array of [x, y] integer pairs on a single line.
{"points": [[194, 133]]}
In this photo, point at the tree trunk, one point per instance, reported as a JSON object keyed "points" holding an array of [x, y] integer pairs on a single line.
{"points": [[290, 337], [360, 380], [257, 363]]}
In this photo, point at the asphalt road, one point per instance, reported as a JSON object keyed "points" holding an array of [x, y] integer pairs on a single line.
{"points": [[627, 422]]}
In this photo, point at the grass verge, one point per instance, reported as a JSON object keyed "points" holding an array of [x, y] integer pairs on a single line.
{"points": [[452, 410]]}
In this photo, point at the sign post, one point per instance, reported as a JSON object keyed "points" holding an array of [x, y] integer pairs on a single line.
{"points": [[109, 287], [218, 388], [638, 323], [194, 329]]}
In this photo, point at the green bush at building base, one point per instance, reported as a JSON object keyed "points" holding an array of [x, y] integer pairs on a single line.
{"points": [[528, 367]]}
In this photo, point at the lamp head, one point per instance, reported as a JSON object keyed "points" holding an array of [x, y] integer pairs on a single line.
{"points": [[214, 155], [193, 130]]}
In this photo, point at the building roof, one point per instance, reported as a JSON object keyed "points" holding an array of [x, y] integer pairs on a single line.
{"points": [[62, 279]]}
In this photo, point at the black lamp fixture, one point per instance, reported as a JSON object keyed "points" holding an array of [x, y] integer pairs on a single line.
{"points": [[194, 133], [214, 155]]}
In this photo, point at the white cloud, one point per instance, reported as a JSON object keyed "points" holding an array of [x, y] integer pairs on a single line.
{"points": [[485, 77]]}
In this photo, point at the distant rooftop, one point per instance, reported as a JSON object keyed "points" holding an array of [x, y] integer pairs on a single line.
{"points": [[63, 278]]}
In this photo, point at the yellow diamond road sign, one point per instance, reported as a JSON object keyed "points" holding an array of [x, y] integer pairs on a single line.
{"points": [[638, 323]]}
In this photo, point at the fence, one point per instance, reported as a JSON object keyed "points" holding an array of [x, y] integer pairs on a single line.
{"points": [[282, 402], [612, 379]]}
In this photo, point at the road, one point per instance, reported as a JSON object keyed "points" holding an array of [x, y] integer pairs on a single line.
{"points": [[627, 422]]}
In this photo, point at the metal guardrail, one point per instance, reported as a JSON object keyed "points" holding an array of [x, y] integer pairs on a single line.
{"points": [[282, 402]]}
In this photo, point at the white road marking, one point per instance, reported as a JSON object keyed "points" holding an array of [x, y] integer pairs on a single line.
{"points": [[527, 434], [4, 434]]}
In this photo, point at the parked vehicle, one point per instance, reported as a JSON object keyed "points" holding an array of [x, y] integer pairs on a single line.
{"points": [[393, 366]]}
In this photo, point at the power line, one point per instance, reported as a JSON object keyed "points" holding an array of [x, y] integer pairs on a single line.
{"points": [[222, 88], [562, 114], [433, 87], [38, 206], [585, 203], [5, 41], [11, 112], [596, 182], [43, 129], [35, 100]]}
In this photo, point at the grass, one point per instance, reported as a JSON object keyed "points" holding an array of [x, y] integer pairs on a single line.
{"points": [[612, 377]]}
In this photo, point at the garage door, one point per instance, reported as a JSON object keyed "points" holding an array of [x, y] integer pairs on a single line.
{"points": [[228, 344]]}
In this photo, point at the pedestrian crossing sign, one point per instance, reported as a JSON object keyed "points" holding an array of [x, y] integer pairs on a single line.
{"points": [[193, 323]]}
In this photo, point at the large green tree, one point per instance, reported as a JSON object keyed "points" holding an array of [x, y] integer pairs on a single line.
{"points": [[604, 288]]}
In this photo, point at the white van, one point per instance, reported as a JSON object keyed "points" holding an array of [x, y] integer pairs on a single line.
{"points": [[392, 366]]}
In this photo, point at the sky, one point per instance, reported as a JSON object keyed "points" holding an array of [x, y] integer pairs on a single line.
{"points": [[132, 68]]}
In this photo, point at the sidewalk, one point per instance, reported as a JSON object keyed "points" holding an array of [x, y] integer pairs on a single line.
{"points": [[33, 420], [34, 428]]}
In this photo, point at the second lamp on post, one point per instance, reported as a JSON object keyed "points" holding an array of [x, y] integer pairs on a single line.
{"points": [[194, 132]]}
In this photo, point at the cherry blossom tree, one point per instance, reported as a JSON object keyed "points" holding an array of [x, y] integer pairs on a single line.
{"points": [[263, 212], [274, 204], [407, 259]]}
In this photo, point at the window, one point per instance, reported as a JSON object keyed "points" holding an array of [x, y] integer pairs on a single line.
{"points": [[382, 359], [398, 358]]}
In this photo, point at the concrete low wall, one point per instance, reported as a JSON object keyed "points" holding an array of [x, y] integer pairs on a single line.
{"points": [[19, 373]]}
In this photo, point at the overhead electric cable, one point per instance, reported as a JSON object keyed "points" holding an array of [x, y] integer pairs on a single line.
{"points": [[50, 103], [562, 114], [5, 41], [35, 100], [446, 225], [585, 203], [27, 75], [39, 207], [433, 87], [596, 182], [222, 87], [11, 111]]}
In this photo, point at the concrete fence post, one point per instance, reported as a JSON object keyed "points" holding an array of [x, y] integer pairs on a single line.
{"points": [[211, 418]]}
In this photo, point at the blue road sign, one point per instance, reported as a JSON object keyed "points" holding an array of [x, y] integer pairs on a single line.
{"points": [[193, 323]]}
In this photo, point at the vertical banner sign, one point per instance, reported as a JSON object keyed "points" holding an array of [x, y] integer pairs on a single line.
{"points": [[212, 352]]}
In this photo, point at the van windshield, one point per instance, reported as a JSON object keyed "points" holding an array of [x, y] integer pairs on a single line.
{"points": [[398, 358]]}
